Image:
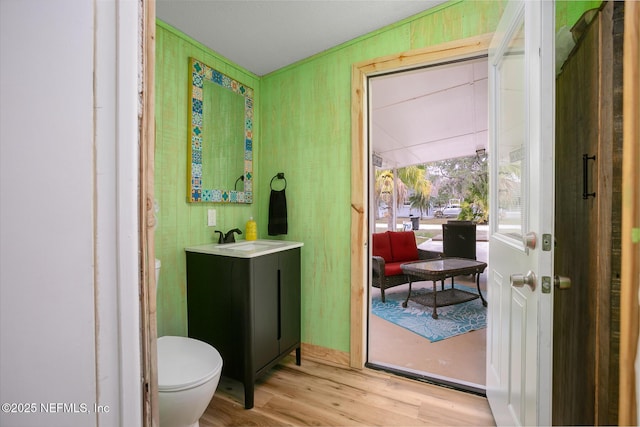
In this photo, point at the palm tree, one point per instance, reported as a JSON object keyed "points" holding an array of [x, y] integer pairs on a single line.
{"points": [[409, 177], [420, 202], [415, 177], [385, 186]]}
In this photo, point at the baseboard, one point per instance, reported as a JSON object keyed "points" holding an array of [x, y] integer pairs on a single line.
{"points": [[324, 354]]}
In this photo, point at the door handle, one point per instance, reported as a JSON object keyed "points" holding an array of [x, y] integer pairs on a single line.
{"points": [[530, 240], [561, 282], [519, 280], [279, 306], [585, 177]]}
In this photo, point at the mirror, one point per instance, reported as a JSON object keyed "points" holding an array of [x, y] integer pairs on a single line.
{"points": [[220, 146]]}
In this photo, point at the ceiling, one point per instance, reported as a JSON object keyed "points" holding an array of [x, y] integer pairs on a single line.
{"points": [[430, 114], [417, 116], [265, 35]]}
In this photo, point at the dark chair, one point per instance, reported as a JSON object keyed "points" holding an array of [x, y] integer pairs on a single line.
{"points": [[459, 240]]}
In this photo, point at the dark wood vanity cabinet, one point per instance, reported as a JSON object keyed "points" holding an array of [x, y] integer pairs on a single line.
{"points": [[247, 308]]}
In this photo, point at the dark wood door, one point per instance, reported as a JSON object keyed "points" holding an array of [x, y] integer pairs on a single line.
{"points": [[585, 351]]}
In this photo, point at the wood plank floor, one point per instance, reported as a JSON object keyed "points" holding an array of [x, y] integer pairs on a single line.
{"points": [[321, 394]]}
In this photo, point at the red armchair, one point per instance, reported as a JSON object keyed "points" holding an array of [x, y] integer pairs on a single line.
{"points": [[391, 249]]}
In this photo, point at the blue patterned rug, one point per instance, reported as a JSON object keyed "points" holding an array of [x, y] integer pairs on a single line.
{"points": [[452, 320]]}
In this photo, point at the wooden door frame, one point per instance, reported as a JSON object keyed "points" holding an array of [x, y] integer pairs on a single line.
{"points": [[360, 252], [148, 321]]}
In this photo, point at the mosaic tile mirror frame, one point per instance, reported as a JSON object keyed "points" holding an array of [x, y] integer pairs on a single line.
{"points": [[200, 74]]}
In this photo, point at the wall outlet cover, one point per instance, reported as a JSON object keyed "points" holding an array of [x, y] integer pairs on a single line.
{"points": [[211, 217]]}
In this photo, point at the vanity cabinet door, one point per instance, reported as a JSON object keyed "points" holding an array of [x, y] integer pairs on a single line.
{"points": [[265, 310], [289, 267], [217, 313], [276, 305]]}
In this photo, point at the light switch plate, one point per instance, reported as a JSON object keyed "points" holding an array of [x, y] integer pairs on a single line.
{"points": [[211, 217]]}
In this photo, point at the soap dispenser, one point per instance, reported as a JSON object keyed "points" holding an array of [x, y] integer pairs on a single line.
{"points": [[251, 231]]}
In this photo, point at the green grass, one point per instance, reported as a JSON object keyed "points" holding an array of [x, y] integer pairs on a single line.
{"points": [[424, 235]]}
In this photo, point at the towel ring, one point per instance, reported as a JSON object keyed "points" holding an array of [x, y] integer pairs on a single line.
{"points": [[279, 175]]}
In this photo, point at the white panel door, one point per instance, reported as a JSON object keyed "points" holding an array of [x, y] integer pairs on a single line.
{"points": [[521, 129]]}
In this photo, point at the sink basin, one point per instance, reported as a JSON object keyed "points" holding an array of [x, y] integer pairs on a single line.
{"points": [[248, 247], [244, 248]]}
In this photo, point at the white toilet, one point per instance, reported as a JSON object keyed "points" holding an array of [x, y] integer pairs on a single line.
{"points": [[188, 374]]}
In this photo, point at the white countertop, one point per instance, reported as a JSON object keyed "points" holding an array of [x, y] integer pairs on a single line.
{"points": [[245, 248]]}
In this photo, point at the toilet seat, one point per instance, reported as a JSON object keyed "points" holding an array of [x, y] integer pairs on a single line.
{"points": [[185, 363]]}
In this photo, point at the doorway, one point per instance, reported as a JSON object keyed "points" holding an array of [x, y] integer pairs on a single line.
{"points": [[427, 142], [472, 47]]}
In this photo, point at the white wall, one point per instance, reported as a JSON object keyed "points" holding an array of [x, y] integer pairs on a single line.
{"points": [[68, 210]]}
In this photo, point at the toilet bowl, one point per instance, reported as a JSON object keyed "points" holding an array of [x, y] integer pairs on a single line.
{"points": [[188, 375]]}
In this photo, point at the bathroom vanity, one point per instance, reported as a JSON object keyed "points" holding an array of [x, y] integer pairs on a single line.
{"points": [[244, 299]]}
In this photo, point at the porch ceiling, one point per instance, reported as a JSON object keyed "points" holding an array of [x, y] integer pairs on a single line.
{"points": [[429, 114]]}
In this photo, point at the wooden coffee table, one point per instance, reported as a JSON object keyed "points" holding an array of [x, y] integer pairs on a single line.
{"points": [[438, 270]]}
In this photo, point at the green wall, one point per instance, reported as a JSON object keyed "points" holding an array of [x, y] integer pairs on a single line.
{"points": [[181, 224], [304, 114], [568, 12]]}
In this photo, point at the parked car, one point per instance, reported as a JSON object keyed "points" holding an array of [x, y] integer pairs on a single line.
{"points": [[451, 211]]}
